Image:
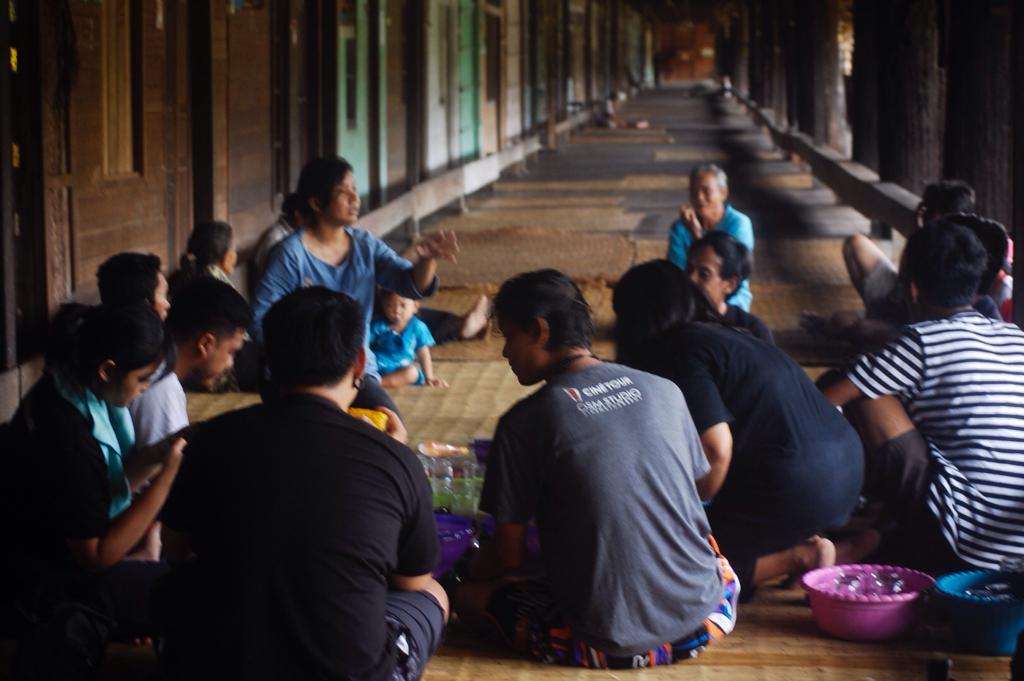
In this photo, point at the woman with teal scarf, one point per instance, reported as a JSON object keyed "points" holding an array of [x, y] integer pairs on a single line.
{"points": [[69, 480]]}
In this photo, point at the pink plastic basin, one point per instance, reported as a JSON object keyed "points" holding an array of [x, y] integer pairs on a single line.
{"points": [[861, 617]]}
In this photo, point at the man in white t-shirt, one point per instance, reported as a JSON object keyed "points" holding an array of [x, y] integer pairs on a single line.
{"points": [[208, 322]]}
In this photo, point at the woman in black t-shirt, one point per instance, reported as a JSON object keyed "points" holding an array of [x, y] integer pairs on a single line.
{"points": [[785, 465], [718, 264], [71, 517]]}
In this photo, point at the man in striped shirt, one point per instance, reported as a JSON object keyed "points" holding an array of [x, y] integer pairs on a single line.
{"points": [[943, 422]]}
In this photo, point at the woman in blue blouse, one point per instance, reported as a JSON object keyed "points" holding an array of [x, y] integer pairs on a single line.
{"points": [[328, 251]]}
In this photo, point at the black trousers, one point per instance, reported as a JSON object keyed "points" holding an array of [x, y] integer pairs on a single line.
{"points": [[899, 474]]}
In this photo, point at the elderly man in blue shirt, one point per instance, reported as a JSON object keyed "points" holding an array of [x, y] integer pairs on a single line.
{"points": [[709, 190]]}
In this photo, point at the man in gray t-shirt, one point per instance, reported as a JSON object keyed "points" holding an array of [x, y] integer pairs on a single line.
{"points": [[605, 458]]}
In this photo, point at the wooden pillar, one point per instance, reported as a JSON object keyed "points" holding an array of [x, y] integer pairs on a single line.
{"points": [[807, 96], [821, 110], [779, 100], [755, 83], [8, 293], [415, 88], [1016, 84], [747, 53], [864, 98], [911, 86], [588, 55], [375, 111], [766, 55], [551, 55], [791, 59], [829, 75], [615, 31], [978, 146]]}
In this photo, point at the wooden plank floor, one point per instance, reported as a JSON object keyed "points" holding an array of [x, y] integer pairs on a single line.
{"points": [[640, 184]]}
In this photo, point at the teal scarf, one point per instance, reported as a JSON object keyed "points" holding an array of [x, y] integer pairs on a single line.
{"points": [[113, 430]]}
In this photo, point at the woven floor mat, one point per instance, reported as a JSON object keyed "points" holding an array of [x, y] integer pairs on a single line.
{"points": [[628, 183], [501, 202], [495, 255], [779, 304], [205, 406], [599, 219], [480, 393], [488, 348], [621, 139], [779, 181], [649, 249], [709, 155], [805, 261], [613, 132], [695, 155], [775, 638], [809, 350]]}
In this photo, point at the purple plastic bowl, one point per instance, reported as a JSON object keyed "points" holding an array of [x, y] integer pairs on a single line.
{"points": [[481, 448], [859, 617], [455, 535]]}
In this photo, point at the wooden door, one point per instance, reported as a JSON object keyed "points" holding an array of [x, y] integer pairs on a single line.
{"points": [[687, 50]]}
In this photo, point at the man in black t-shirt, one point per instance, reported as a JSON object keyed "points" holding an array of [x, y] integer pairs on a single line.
{"points": [[313, 532]]}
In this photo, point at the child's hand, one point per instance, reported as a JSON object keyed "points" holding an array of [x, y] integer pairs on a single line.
{"points": [[437, 383]]}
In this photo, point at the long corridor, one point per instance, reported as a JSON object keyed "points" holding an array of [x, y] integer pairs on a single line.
{"points": [[603, 202], [600, 204]]}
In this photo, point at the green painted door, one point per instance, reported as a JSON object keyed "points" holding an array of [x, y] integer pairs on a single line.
{"points": [[469, 81], [353, 88]]}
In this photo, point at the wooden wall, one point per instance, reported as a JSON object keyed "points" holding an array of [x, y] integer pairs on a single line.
{"points": [[250, 192], [687, 50], [115, 211]]}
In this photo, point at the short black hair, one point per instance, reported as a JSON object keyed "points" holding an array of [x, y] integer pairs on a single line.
{"points": [[317, 181], [549, 295], [945, 197], [291, 205], [82, 337], [207, 305], [312, 337], [650, 299], [994, 238], [736, 260], [946, 261], [128, 278]]}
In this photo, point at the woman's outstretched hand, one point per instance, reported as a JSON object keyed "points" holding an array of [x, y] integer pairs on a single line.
{"points": [[439, 245]]}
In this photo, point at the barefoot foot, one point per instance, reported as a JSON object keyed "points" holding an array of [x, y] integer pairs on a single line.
{"points": [[474, 323]]}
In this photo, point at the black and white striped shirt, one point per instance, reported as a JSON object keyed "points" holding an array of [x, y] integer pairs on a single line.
{"points": [[961, 380]]}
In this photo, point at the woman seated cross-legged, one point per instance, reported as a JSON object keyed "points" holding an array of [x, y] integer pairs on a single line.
{"points": [[785, 465], [78, 563]]}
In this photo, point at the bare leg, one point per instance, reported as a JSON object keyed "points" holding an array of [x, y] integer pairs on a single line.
{"points": [[862, 256], [397, 379], [814, 553]]}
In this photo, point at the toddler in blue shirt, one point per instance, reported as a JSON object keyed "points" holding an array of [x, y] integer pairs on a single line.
{"points": [[398, 338]]}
